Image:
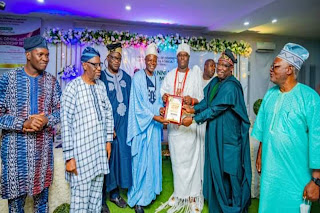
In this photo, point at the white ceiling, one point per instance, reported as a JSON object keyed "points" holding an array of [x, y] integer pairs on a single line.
{"points": [[295, 17]]}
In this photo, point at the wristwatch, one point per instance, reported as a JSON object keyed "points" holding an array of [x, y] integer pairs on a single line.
{"points": [[316, 181]]}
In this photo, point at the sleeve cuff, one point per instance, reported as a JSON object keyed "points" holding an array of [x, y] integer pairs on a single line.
{"points": [[109, 138], [68, 154], [197, 119], [19, 123], [257, 136], [196, 110]]}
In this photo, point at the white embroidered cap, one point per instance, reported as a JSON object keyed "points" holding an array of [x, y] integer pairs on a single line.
{"points": [[152, 49], [183, 48]]}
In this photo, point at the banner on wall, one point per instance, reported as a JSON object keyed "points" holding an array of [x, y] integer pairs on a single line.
{"points": [[13, 31]]}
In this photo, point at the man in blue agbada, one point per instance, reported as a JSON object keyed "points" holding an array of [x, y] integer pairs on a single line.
{"points": [[144, 134], [227, 166], [118, 84], [288, 126]]}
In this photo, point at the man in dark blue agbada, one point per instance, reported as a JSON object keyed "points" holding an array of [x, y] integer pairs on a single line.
{"points": [[118, 84], [227, 167]]}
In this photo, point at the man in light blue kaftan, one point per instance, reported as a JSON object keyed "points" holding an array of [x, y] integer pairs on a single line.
{"points": [[144, 134], [288, 126]]}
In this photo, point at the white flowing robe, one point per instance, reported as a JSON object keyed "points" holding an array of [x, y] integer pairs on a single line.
{"points": [[185, 142]]}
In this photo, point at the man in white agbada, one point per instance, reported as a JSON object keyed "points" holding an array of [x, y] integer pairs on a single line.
{"points": [[144, 134], [184, 142]]}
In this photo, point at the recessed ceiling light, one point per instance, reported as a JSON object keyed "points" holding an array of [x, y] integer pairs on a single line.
{"points": [[128, 7], [160, 21], [246, 23], [40, 1], [274, 21]]}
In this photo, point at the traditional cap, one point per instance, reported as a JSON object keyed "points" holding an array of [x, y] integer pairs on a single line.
{"points": [[35, 42], [228, 56], [116, 47], [152, 49], [294, 54], [183, 48], [89, 53]]}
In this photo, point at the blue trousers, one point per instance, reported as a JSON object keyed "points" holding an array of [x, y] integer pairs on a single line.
{"points": [[40, 203]]}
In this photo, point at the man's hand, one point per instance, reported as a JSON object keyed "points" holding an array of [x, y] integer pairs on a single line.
{"points": [[71, 166], [187, 121], [32, 125], [41, 117], [187, 100], [165, 97], [311, 191], [35, 123], [108, 149], [162, 111], [161, 119], [258, 160], [188, 109]]}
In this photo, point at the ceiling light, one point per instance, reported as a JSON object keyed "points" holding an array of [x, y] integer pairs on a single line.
{"points": [[159, 21], [246, 23], [274, 21], [128, 7], [40, 1]]}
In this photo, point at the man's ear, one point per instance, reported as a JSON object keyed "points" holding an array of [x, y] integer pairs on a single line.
{"points": [[290, 70], [84, 65], [108, 59], [28, 55]]}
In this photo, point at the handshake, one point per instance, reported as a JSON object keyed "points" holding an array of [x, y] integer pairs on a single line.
{"points": [[35, 123]]}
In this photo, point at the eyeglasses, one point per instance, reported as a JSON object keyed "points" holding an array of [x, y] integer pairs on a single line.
{"points": [[96, 65], [114, 58], [223, 65]]}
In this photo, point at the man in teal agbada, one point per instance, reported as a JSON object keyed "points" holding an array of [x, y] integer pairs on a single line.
{"points": [[227, 166], [288, 126]]}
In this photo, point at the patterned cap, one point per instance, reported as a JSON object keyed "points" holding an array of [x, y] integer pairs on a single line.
{"points": [[89, 53], [34, 42], [294, 54], [152, 49], [116, 47], [228, 56]]}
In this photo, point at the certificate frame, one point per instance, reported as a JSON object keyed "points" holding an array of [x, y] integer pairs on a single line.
{"points": [[173, 111]]}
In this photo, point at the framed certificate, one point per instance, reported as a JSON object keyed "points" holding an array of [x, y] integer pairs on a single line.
{"points": [[174, 109]]}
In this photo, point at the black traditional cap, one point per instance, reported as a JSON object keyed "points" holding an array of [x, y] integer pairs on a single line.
{"points": [[116, 47], [228, 56], [35, 42]]}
